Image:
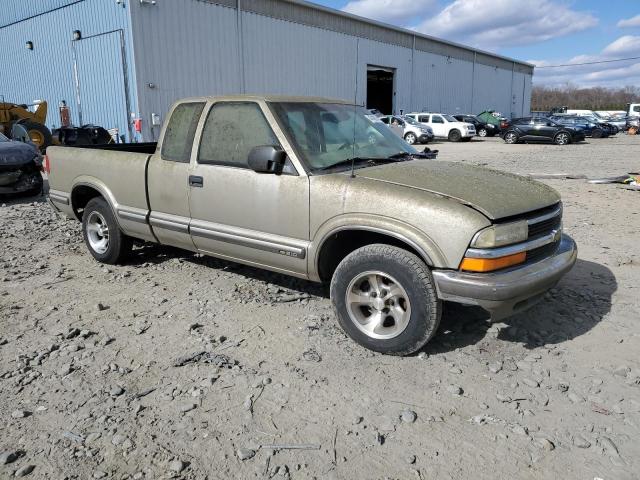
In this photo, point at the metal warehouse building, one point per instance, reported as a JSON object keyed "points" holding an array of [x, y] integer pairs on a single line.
{"points": [[116, 60]]}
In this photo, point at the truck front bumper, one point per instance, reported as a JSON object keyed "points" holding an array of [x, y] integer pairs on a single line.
{"points": [[505, 293]]}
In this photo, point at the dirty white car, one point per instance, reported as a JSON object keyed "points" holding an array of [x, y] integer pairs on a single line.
{"points": [[411, 131]]}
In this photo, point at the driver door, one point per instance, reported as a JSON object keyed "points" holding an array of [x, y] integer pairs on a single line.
{"points": [[260, 219]]}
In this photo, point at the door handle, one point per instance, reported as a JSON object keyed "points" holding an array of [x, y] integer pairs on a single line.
{"points": [[195, 181]]}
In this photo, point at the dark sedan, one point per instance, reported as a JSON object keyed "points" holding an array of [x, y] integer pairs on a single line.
{"points": [[19, 167], [590, 129], [532, 130], [483, 129]]}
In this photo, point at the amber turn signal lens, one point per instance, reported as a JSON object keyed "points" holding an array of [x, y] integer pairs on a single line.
{"points": [[491, 264]]}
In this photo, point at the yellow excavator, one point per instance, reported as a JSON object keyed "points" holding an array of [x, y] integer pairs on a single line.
{"points": [[33, 122]]}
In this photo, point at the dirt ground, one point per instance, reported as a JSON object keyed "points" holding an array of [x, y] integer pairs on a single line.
{"points": [[179, 366]]}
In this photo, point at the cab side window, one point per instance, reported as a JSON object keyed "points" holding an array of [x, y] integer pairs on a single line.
{"points": [[437, 119], [231, 130], [178, 136], [423, 119]]}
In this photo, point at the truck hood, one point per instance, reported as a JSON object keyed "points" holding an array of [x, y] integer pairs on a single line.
{"points": [[495, 194]]}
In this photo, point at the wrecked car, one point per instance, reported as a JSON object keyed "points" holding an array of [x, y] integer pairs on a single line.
{"points": [[322, 190], [20, 165]]}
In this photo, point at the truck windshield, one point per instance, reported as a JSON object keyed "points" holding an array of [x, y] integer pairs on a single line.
{"points": [[326, 134]]}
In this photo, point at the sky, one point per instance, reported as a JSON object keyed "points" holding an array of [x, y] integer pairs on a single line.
{"points": [[542, 32]]}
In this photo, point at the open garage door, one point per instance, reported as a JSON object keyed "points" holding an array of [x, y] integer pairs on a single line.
{"points": [[101, 82], [381, 88]]}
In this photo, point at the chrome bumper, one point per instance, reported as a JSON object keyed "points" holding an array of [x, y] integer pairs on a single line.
{"points": [[505, 293]]}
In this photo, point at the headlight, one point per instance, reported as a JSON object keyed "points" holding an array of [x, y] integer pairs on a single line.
{"points": [[501, 234]]}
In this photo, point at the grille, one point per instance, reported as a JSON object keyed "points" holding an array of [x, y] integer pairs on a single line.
{"points": [[542, 252], [544, 228]]}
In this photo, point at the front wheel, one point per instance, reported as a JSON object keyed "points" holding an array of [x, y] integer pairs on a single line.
{"points": [[482, 132], [410, 138], [385, 299], [562, 138], [455, 135], [596, 133], [101, 233]]}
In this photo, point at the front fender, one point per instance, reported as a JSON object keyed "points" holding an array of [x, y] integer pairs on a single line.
{"points": [[418, 240]]}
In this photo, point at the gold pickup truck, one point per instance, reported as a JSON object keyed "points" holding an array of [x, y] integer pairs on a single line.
{"points": [[322, 190]]}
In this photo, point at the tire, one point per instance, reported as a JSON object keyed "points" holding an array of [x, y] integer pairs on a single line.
{"points": [[38, 133], [511, 138], [416, 305], [37, 186], [562, 138], [410, 138], [117, 247], [483, 132], [596, 133], [454, 135]]}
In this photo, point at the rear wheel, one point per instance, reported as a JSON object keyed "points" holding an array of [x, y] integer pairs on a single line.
{"points": [[385, 299], [410, 138], [102, 235], [455, 135], [511, 137], [562, 138]]}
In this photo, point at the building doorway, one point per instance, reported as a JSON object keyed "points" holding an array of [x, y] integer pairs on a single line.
{"points": [[381, 88]]}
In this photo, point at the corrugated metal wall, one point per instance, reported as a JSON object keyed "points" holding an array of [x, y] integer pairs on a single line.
{"points": [[47, 71], [183, 48], [16, 10], [282, 49]]}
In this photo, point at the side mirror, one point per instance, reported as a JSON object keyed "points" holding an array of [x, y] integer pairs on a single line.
{"points": [[266, 159]]}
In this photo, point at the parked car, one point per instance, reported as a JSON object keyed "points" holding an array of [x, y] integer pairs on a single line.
{"points": [[483, 129], [394, 233], [606, 126], [20, 164], [616, 119], [445, 126], [492, 117], [530, 130], [411, 131], [590, 129]]}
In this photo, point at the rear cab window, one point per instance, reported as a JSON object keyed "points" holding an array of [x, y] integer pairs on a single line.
{"points": [[180, 131]]}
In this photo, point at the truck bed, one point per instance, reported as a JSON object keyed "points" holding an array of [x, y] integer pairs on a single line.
{"points": [[148, 147]]}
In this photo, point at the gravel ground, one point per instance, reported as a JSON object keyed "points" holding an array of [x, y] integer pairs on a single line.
{"points": [[179, 366]]}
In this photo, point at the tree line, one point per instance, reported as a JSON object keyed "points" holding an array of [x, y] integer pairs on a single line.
{"points": [[544, 98]]}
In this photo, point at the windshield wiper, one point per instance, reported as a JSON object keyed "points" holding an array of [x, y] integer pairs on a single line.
{"points": [[359, 160]]}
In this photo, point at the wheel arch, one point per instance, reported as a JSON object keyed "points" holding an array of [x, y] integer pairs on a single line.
{"points": [[85, 190], [339, 241]]}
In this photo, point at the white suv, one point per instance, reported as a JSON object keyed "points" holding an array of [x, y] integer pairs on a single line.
{"points": [[445, 126]]}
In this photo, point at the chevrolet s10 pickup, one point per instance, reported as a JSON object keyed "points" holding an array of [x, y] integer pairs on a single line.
{"points": [[322, 190]]}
